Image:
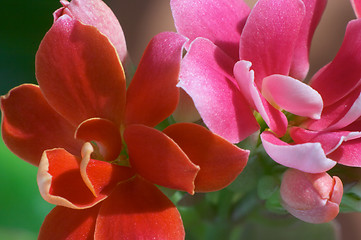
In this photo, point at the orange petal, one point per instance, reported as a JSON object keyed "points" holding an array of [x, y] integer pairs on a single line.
{"points": [[152, 95], [66, 223], [30, 125], [159, 159], [138, 210], [105, 133], [61, 183], [79, 72], [220, 161]]}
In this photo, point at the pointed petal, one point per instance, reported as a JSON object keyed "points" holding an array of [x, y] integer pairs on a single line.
{"points": [[79, 72], [61, 183], [220, 22], [220, 161], [138, 210], [206, 75], [307, 157], [104, 133], [292, 95], [30, 125], [157, 158], [96, 13], [356, 5], [274, 118], [343, 74], [152, 95], [300, 62], [66, 223], [270, 35]]}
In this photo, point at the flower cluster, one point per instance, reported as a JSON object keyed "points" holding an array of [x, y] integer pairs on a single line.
{"points": [[100, 147]]}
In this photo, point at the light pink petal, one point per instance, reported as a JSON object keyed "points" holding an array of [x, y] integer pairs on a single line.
{"points": [[270, 35], [153, 95], [206, 75], [307, 157], [274, 118], [219, 21], [79, 72], [300, 63], [96, 13], [356, 5], [348, 153], [292, 95], [343, 74]]}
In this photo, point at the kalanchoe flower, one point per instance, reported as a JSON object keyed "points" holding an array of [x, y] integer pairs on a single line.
{"points": [[313, 198], [94, 142], [271, 43]]}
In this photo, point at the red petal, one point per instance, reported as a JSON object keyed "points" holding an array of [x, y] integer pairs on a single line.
{"points": [[104, 133], [138, 210], [65, 224], [220, 161], [159, 159], [79, 72], [152, 95], [30, 125]]}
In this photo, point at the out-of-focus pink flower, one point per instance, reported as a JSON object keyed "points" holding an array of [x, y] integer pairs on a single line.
{"points": [[356, 4], [272, 43], [313, 198], [94, 142]]}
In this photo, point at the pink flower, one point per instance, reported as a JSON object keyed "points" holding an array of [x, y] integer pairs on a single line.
{"points": [[271, 43], [313, 198], [94, 141]]}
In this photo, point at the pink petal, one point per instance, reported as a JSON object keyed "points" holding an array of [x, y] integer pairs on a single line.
{"points": [[138, 210], [307, 157], [157, 158], [300, 63], [66, 223], [274, 118], [220, 161], [270, 35], [30, 125], [152, 95], [79, 72], [206, 75], [343, 74], [348, 153], [292, 95], [96, 13], [356, 5], [219, 21]]}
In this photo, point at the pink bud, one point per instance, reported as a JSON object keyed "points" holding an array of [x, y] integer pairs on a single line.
{"points": [[313, 198]]}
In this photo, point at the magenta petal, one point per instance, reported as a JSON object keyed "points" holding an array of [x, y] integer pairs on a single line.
{"points": [[206, 75], [348, 153], [307, 157], [292, 95], [219, 21], [300, 64], [274, 118], [356, 5], [270, 35], [343, 74]]}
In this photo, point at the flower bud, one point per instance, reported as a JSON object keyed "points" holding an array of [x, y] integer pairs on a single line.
{"points": [[313, 198]]}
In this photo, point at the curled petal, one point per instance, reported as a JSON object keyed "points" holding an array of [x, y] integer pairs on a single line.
{"points": [[152, 95], [138, 210], [30, 126], [274, 118], [61, 183], [66, 223], [220, 22], [220, 161], [96, 13], [79, 72], [348, 153], [104, 133], [313, 198], [292, 95], [269, 37], [356, 5], [157, 158], [206, 75], [307, 157]]}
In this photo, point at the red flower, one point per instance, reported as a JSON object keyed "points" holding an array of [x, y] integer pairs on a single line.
{"points": [[94, 142]]}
